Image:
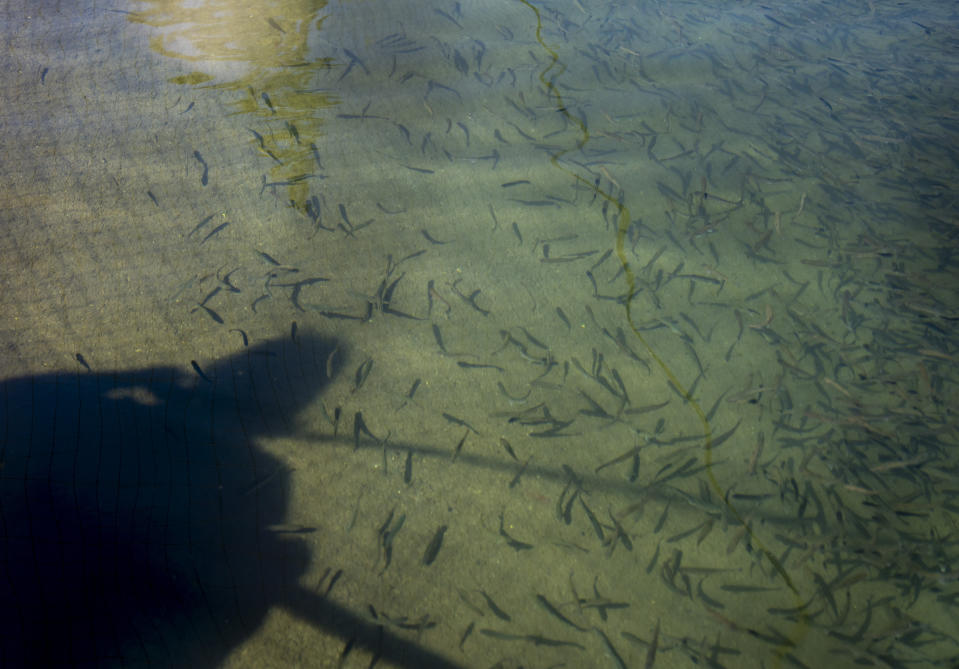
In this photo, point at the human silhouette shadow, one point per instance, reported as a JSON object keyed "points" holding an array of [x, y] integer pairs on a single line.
{"points": [[140, 517]]}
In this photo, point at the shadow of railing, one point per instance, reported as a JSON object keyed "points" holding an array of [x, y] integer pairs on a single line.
{"points": [[137, 511]]}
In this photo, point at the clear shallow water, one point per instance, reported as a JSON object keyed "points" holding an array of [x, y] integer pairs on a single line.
{"points": [[279, 282]]}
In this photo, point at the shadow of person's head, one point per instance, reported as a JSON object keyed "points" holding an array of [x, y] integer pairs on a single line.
{"points": [[140, 511]]}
